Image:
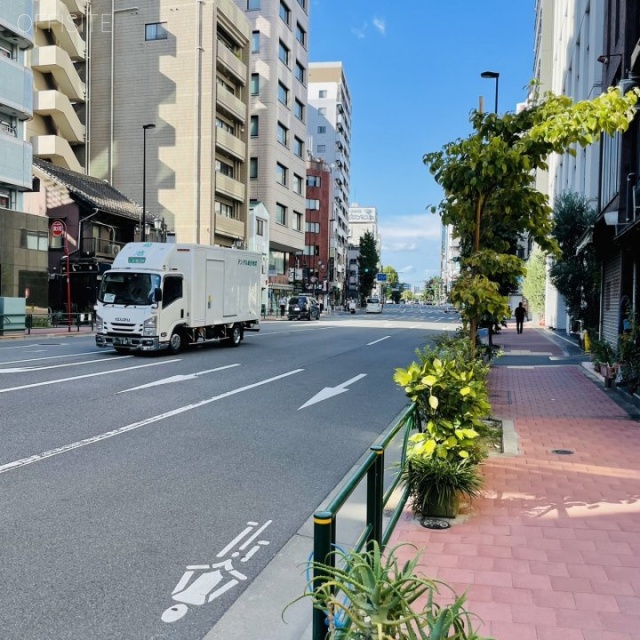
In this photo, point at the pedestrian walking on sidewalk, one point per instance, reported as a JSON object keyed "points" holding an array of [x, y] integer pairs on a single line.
{"points": [[283, 304], [520, 313]]}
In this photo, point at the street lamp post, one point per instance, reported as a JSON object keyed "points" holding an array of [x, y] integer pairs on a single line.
{"points": [[495, 76], [145, 128]]}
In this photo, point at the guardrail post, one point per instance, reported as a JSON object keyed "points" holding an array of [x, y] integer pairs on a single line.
{"points": [[374, 497], [324, 532]]}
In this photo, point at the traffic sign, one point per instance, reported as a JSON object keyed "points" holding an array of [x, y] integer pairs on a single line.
{"points": [[57, 228], [381, 277]]}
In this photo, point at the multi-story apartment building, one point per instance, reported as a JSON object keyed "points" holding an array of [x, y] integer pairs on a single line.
{"points": [[278, 125], [23, 237], [329, 127], [57, 131], [449, 263], [361, 221], [169, 112]]}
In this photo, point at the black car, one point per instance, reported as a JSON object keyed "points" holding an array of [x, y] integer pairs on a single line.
{"points": [[301, 307]]}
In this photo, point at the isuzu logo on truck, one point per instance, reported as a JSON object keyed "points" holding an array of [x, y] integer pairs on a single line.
{"points": [[123, 320]]}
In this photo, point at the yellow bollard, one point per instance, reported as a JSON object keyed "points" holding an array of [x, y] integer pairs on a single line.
{"points": [[585, 342]]}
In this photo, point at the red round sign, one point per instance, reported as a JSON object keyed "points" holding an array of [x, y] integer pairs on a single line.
{"points": [[57, 228]]}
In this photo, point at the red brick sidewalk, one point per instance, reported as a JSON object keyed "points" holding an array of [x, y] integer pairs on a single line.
{"points": [[552, 549]]}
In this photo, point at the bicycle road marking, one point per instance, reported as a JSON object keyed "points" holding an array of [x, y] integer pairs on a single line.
{"points": [[23, 462]]}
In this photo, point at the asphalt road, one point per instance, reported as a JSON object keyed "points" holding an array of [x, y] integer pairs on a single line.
{"points": [[140, 496]]}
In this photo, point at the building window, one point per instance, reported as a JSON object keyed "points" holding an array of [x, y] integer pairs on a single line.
{"points": [[312, 227], [34, 240], [298, 147], [226, 86], [303, 3], [283, 134], [224, 209], [255, 42], [6, 52], [314, 205], [253, 5], [298, 110], [285, 13], [301, 35], [322, 111], [322, 93], [224, 168], [300, 72], [254, 126], [253, 167], [155, 31], [282, 174], [313, 181], [283, 94], [281, 214], [321, 148], [322, 129], [223, 124], [255, 84], [299, 217], [5, 199], [297, 184], [610, 167], [259, 227], [283, 53]]}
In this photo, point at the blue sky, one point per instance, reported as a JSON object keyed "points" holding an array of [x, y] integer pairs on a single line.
{"points": [[413, 68]]}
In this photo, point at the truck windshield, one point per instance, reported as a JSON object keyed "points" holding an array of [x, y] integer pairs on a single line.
{"points": [[128, 288]]}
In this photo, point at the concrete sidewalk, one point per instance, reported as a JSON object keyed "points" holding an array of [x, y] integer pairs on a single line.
{"points": [[551, 551]]}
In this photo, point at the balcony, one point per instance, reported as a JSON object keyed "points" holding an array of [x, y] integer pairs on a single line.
{"points": [[229, 187], [13, 24], [76, 7], [101, 247], [232, 105], [59, 107], [15, 163], [231, 64], [56, 61], [229, 227], [16, 89], [54, 16], [227, 142], [58, 150]]}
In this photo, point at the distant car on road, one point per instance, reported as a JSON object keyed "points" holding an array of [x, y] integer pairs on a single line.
{"points": [[301, 307], [374, 305]]}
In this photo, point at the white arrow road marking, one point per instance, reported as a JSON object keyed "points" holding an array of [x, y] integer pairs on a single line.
{"points": [[329, 392], [376, 341], [88, 375], [178, 378], [10, 466], [58, 366]]}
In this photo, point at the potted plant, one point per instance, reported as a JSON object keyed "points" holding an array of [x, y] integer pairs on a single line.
{"points": [[369, 596]]}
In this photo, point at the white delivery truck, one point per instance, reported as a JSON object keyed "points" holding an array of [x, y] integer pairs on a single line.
{"points": [[165, 296]]}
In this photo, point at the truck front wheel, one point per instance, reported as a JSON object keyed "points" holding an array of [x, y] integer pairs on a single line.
{"points": [[175, 343]]}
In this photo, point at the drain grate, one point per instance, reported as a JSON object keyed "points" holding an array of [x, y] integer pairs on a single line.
{"points": [[562, 452], [434, 523]]}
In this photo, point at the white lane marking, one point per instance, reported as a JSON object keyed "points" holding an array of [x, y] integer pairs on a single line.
{"points": [[59, 366], [37, 351], [329, 392], [376, 341], [16, 464], [178, 378], [88, 375], [66, 355]]}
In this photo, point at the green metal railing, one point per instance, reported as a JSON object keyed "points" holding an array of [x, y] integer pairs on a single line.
{"points": [[33, 322], [324, 534]]}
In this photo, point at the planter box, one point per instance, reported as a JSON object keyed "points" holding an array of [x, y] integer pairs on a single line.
{"points": [[449, 510]]}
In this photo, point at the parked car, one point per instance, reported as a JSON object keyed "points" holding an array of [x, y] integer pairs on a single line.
{"points": [[301, 307]]}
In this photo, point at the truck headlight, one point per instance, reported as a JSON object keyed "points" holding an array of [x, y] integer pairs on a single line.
{"points": [[99, 323], [149, 326]]}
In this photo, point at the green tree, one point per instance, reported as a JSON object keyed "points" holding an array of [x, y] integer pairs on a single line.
{"points": [[407, 295], [533, 287], [368, 262], [576, 273], [490, 196], [392, 281]]}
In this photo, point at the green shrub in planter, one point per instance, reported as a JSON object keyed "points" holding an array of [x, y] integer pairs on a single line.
{"points": [[369, 596], [436, 485]]}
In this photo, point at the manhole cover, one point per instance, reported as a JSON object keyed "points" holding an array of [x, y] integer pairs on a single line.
{"points": [[434, 523], [562, 452]]}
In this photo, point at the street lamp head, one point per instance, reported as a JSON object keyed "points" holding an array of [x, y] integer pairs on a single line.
{"points": [[148, 126], [489, 74]]}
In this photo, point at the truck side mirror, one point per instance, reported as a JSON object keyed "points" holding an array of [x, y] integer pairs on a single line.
{"points": [[157, 294]]}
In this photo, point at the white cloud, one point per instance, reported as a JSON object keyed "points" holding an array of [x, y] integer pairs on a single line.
{"points": [[359, 32], [380, 25]]}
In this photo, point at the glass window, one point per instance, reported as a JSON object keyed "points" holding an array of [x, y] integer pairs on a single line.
{"points": [[281, 214], [322, 93], [322, 111], [303, 3], [321, 148], [259, 227], [224, 168], [155, 31], [322, 129], [298, 110], [283, 53], [282, 174], [35, 240], [255, 42], [298, 147], [253, 5], [301, 35], [297, 184], [299, 217], [254, 126], [283, 94], [285, 13], [300, 72], [255, 84], [253, 167], [283, 134], [223, 124], [224, 209], [313, 181], [314, 205]]}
